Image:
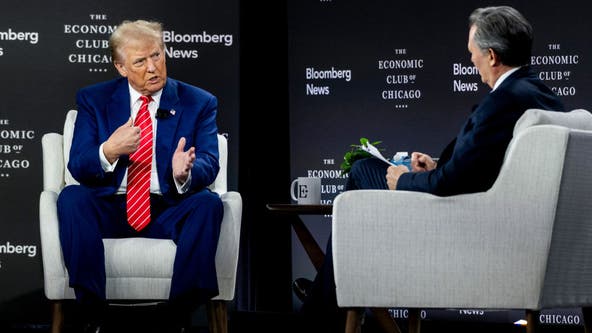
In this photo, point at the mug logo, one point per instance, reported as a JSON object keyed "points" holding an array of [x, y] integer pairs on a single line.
{"points": [[303, 191], [306, 190]]}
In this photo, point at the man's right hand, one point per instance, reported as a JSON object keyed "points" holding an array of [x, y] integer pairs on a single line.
{"points": [[422, 162], [123, 141]]}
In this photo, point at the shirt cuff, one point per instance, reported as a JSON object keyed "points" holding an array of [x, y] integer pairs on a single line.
{"points": [[183, 187], [107, 167]]}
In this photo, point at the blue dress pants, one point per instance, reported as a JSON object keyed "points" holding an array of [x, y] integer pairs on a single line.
{"points": [[193, 223]]}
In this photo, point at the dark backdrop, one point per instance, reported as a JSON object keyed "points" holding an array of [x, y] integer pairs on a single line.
{"points": [[269, 98]]}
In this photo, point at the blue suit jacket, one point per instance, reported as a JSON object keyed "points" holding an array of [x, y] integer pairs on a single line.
{"points": [[471, 162], [186, 111]]}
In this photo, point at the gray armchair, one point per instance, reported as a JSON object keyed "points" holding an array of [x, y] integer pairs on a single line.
{"points": [[524, 244], [138, 269]]}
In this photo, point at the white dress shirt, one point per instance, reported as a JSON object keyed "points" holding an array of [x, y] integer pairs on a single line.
{"points": [[136, 103]]}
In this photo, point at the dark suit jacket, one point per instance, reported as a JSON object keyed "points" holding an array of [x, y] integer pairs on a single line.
{"points": [[186, 111], [471, 162]]}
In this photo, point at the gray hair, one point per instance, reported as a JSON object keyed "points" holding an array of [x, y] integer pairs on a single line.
{"points": [[504, 30], [130, 31]]}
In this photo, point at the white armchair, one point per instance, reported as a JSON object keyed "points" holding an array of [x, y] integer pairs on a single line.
{"points": [[144, 272], [524, 244]]}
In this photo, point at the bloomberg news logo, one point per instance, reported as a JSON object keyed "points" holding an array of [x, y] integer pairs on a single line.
{"points": [[18, 36], [17, 249]]}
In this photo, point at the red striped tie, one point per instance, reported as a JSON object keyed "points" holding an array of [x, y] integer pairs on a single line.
{"points": [[138, 171]]}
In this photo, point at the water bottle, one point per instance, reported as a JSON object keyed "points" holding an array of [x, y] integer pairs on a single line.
{"points": [[402, 158]]}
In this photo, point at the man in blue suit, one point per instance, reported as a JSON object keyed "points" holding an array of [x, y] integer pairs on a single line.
{"points": [[500, 42], [184, 163]]}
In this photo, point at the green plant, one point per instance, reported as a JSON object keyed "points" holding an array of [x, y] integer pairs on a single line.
{"points": [[355, 153]]}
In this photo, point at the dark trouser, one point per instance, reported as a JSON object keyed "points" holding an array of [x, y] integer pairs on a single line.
{"points": [[193, 224], [369, 173]]}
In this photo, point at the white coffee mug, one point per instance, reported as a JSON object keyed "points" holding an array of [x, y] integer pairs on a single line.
{"points": [[306, 190]]}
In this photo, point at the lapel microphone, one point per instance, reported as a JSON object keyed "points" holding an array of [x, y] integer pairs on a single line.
{"points": [[162, 114]]}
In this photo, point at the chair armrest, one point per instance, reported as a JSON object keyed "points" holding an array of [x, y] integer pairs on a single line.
{"points": [[53, 162], [51, 250], [228, 245], [220, 184], [411, 249]]}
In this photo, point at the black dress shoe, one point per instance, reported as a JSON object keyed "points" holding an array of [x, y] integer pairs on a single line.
{"points": [[301, 287], [93, 318], [92, 328]]}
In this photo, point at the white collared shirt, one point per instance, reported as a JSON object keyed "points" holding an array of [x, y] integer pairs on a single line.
{"points": [[135, 104], [503, 77]]}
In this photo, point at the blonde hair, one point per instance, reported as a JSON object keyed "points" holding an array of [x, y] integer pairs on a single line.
{"points": [[129, 31]]}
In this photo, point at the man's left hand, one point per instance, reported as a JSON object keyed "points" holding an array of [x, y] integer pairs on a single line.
{"points": [[182, 161], [392, 175]]}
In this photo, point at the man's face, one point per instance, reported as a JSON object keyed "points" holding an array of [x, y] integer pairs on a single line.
{"points": [[481, 60], [144, 65]]}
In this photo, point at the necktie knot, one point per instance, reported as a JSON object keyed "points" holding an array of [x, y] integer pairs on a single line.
{"points": [[146, 99]]}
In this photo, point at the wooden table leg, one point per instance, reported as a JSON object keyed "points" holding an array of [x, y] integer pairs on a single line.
{"points": [[532, 321], [317, 256], [353, 321], [414, 320], [312, 248], [385, 320]]}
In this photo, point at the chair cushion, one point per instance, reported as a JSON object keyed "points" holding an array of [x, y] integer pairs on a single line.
{"points": [[139, 257]]}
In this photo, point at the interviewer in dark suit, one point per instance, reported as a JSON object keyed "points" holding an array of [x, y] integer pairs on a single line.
{"points": [[500, 41], [185, 162]]}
